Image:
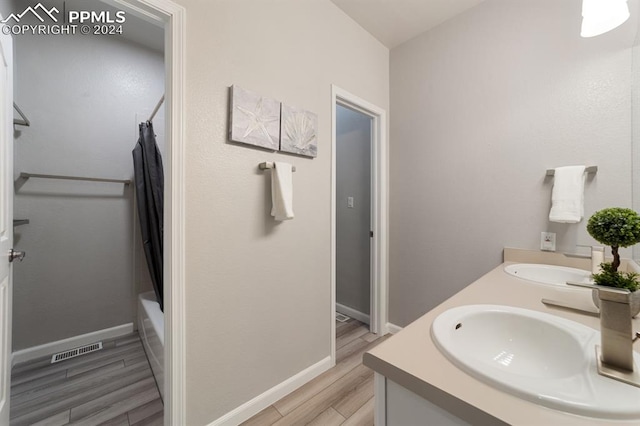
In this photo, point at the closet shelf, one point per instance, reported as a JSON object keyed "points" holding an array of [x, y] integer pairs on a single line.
{"points": [[23, 121], [24, 175]]}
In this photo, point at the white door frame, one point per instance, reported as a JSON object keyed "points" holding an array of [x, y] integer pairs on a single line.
{"points": [[379, 198], [6, 223], [172, 17]]}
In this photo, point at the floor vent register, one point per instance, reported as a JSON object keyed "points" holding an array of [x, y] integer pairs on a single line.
{"points": [[341, 317], [72, 353]]}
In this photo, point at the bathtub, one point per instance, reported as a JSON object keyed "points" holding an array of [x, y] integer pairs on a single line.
{"points": [[151, 329]]}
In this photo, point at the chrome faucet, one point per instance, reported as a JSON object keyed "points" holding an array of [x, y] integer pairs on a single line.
{"points": [[615, 353], [615, 328]]}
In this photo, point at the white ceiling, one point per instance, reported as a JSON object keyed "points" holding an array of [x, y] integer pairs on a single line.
{"points": [[395, 21], [135, 28], [391, 21]]}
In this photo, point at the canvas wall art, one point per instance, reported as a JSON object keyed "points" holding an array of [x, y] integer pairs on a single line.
{"points": [[298, 131], [254, 119]]}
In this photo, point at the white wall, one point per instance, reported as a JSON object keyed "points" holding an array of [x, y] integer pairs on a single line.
{"points": [[481, 106], [635, 121], [84, 96], [258, 292], [353, 179]]}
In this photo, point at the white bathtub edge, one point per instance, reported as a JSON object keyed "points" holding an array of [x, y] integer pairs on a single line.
{"points": [[262, 401], [151, 309], [151, 330], [70, 343]]}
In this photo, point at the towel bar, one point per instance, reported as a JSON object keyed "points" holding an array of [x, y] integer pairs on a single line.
{"points": [[272, 165], [590, 169]]}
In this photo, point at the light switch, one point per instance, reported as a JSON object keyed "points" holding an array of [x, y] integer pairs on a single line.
{"points": [[350, 202]]}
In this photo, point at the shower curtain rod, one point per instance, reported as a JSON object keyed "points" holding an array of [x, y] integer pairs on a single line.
{"points": [[155, 110]]}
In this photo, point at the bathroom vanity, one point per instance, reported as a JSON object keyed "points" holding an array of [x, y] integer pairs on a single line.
{"points": [[417, 385]]}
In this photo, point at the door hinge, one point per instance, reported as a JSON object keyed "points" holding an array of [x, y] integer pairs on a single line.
{"points": [[371, 234]]}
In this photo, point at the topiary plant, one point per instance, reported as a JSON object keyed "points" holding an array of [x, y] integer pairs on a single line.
{"points": [[611, 278], [615, 227]]}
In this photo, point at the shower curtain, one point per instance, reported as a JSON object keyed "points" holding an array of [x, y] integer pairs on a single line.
{"points": [[149, 181]]}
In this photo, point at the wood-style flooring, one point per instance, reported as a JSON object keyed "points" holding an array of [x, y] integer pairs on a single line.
{"points": [[112, 386], [342, 395]]}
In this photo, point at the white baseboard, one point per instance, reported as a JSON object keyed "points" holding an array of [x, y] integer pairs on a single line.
{"points": [[260, 402], [350, 312], [393, 329], [72, 342]]}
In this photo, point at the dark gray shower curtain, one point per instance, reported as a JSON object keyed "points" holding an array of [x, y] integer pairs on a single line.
{"points": [[149, 181]]}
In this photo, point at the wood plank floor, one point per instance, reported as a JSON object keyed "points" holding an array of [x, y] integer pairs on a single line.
{"points": [[342, 395], [112, 386]]}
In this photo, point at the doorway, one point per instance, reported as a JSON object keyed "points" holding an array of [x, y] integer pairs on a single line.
{"points": [[76, 294], [364, 274], [171, 17], [353, 215]]}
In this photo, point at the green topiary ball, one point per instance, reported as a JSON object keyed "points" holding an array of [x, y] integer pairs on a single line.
{"points": [[615, 226]]}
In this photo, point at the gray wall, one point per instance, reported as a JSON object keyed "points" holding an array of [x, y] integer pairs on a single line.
{"points": [[84, 96], [481, 106], [258, 294], [353, 179]]}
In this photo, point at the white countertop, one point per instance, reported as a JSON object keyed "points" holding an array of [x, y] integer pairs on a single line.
{"points": [[411, 359]]}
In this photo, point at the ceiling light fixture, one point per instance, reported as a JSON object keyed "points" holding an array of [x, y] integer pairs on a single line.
{"points": [[600, 16]]}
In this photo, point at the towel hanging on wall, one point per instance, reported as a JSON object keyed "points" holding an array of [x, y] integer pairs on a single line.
{"points": [[567, 196], [282, 191]]}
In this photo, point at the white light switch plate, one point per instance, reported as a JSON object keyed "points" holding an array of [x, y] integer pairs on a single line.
{"points": [[548, 241], [350, 202]]}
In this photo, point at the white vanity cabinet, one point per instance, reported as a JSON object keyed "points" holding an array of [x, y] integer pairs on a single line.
{"points": [[415, 384], [395, 405]]}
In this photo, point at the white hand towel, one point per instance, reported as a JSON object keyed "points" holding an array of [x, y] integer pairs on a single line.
{"points": [[567, 196], [282, 191]]}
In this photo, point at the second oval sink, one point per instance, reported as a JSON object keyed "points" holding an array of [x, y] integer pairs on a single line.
{"points": [[536, 356], [548, 274]]}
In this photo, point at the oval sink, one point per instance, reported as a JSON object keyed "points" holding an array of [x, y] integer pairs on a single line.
{"points": [[539, 357], [548, 274]]}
